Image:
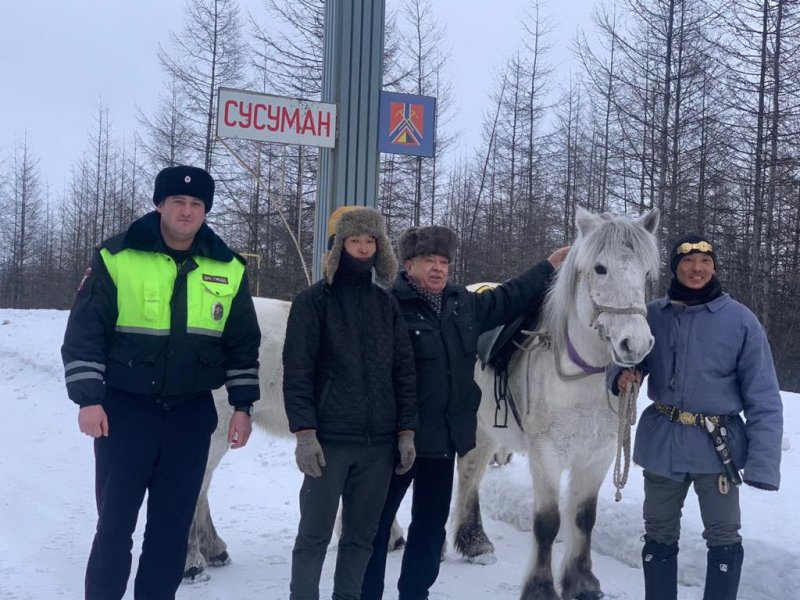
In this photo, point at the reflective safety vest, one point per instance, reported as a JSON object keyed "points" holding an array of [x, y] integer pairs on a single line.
{"points": [[145, 283]]}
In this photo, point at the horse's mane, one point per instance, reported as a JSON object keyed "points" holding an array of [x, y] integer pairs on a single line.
{"points": [[609, 233]]}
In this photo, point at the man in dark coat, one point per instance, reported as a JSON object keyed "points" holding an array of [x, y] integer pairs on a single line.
{"points": [[444, 321], [162, 317], [349, 391]]}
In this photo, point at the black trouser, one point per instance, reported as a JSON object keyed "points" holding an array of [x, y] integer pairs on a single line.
{"points": [[160, 451], [359, 475], [430, 507]]}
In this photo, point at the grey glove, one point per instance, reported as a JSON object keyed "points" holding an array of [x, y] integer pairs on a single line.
{"points": [[405, 444], [308, 454]]}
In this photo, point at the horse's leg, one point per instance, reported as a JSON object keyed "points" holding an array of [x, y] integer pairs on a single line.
{"points": [[396, 539], [470, 538], [501, 457], [546, 472], [205, 545], [577, 579]]}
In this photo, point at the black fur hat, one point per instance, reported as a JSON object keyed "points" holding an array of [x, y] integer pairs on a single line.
{"points": [[347, 221], [420, 241], [694, 244], [184, 181]]}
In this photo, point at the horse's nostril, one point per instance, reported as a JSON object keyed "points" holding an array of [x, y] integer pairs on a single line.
{"points": [[625, 345]]}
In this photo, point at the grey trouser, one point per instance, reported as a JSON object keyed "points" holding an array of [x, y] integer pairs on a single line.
{"points": [[663, 503], [360, 476]]}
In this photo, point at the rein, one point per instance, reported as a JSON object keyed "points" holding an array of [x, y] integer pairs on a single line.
{"points": [[626, 412]]}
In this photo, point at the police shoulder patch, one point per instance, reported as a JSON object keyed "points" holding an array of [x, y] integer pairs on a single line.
{"points": [[86, 275]]}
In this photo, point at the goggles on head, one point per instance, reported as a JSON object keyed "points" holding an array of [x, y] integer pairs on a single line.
{"points": [[686, 247]]}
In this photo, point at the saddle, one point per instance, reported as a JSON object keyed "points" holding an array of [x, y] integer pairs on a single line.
{"points": [[496, 348]]}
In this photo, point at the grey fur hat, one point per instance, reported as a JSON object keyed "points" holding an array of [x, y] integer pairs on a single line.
{"points": [[420, 241], [347, 221]]}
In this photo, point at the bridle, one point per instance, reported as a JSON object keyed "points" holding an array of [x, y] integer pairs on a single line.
{"points": [[597, 310], [537, 339]]}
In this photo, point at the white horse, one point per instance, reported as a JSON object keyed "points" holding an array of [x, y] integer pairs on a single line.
{"points": [[206, 548], [594, 315], [205, 545]]}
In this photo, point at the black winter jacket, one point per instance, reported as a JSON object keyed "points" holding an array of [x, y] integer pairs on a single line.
{"points": [[445, 353], [169, 368], [348, 366]]}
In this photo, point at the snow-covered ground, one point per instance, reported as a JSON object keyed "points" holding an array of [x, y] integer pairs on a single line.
{"points": [[47, 511]]}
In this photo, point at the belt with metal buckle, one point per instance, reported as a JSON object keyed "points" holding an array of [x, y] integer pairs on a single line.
{"points": [[674, 414]]}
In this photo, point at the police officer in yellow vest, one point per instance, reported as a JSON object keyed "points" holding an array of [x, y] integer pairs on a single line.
{"points": [[163, 316]]}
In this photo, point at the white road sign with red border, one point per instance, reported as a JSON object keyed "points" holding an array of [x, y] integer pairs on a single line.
{"points": [[253, 116]]}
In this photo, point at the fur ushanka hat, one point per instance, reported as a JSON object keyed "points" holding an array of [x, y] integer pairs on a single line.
{"points": [[420, 241], [347, 221], [183, 180]]}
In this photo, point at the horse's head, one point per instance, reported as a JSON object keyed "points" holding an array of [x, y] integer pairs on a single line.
{"points": [[601, 287]]}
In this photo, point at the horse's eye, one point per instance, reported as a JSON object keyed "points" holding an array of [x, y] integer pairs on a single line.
{"points": [[600, 270]]}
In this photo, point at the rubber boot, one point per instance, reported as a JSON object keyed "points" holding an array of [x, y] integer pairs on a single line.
{"points": [[723, 571], [660, 566]]}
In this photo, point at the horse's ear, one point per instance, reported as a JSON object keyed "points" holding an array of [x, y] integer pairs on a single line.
{"points": [[586, 221], [650, 220]]}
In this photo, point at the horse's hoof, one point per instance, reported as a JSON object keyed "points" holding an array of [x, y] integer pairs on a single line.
{"points": [[195, 574], [487, 558], [590, 596], [398, 543], [220, 560]]}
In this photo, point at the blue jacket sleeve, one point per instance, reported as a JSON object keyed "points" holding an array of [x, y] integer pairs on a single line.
{"points": [[91, 324], [763, 409]]}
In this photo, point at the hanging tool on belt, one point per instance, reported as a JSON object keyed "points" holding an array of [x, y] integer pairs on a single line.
{"points": [[719, 437], [716, 428]]}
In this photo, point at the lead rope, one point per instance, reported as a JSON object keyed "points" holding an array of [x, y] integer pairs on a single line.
{"points": [[626, 412]]}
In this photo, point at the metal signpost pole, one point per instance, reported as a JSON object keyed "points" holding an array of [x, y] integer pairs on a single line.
{"points": [[352, 77]]}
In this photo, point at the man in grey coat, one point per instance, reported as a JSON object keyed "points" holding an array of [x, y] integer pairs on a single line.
{"points": [[711, 362]]}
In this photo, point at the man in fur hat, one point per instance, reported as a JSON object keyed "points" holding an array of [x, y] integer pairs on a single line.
{"points": [[711, 362], [444, 321], [162, 317], [349, 390]]}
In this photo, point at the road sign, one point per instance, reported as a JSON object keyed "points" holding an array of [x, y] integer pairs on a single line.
{"points": [[253, 116], [407, 124]]}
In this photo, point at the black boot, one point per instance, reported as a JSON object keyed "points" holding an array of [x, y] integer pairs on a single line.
{"points": [[660, 566], [723, 570]]}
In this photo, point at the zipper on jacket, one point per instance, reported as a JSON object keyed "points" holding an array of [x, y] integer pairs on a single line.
{"points": [[362, 338]]}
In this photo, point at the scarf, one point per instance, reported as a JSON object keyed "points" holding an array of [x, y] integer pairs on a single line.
{"points": [[433, 300], [680, 293], [354, 268]]}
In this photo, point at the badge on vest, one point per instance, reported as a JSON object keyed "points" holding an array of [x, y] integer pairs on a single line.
{"points": [[217, 311], [215, 279]]}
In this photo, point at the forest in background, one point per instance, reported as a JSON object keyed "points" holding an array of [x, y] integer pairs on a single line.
{"points": [[685, 105]]}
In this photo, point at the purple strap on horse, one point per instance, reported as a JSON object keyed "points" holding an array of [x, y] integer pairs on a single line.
{"points": [[576, 358]]}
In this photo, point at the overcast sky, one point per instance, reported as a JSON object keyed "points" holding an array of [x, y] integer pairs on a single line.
{"points": [[60, 59]]}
